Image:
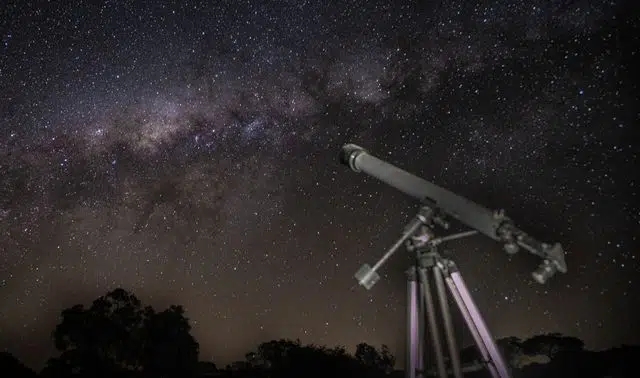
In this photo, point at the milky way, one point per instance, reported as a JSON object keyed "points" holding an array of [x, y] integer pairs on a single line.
{"points": [[188, 152]]}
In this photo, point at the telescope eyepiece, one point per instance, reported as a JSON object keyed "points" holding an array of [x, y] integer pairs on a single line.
{"points": [[348, 153]]}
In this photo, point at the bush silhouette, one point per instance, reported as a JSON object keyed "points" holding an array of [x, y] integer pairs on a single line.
{"points": [[116, 336]]}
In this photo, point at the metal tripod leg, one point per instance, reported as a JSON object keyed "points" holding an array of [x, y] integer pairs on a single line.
{"points": [[412, 324], [448, 324], [475, 323], [422, 357], [431, 318]]}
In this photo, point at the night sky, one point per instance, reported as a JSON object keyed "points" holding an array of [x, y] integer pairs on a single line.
{"points": [[188, 152]]}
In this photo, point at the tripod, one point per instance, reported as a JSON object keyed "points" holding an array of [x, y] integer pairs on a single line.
{"points": [[430, 267]]}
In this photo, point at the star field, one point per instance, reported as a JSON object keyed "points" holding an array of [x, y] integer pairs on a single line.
{"points": [[188, 152]]}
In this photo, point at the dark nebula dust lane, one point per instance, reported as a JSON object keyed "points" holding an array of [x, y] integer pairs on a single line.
{"points": [[187, 151]]}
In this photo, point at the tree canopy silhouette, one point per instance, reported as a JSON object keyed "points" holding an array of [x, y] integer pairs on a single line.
{"points": [[381, 360], [12, 367], [117, 336], [288, 358], [551, 344]]}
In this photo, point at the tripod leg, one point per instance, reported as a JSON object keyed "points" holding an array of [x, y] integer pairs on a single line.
{"points": [[412, 324], [474, 331], [422, 358], [448, 324], [431, 318], [478, 322]]}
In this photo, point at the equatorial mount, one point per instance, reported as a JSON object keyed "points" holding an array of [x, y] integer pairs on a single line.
{"points": [[431, 267]]}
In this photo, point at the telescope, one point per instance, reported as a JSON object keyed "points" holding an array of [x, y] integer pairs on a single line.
{"points": [[431, 269], [494, 224]]}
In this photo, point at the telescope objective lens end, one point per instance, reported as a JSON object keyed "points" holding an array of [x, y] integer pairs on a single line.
{"points": [[348, 153]]}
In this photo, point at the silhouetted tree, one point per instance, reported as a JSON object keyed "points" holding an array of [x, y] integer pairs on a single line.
{"points": [[275, 354], [207, 369], [169, 350], [370, 357], [511, 349], [117, 337], [551, 344], [12, 367], [287, 358]]}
